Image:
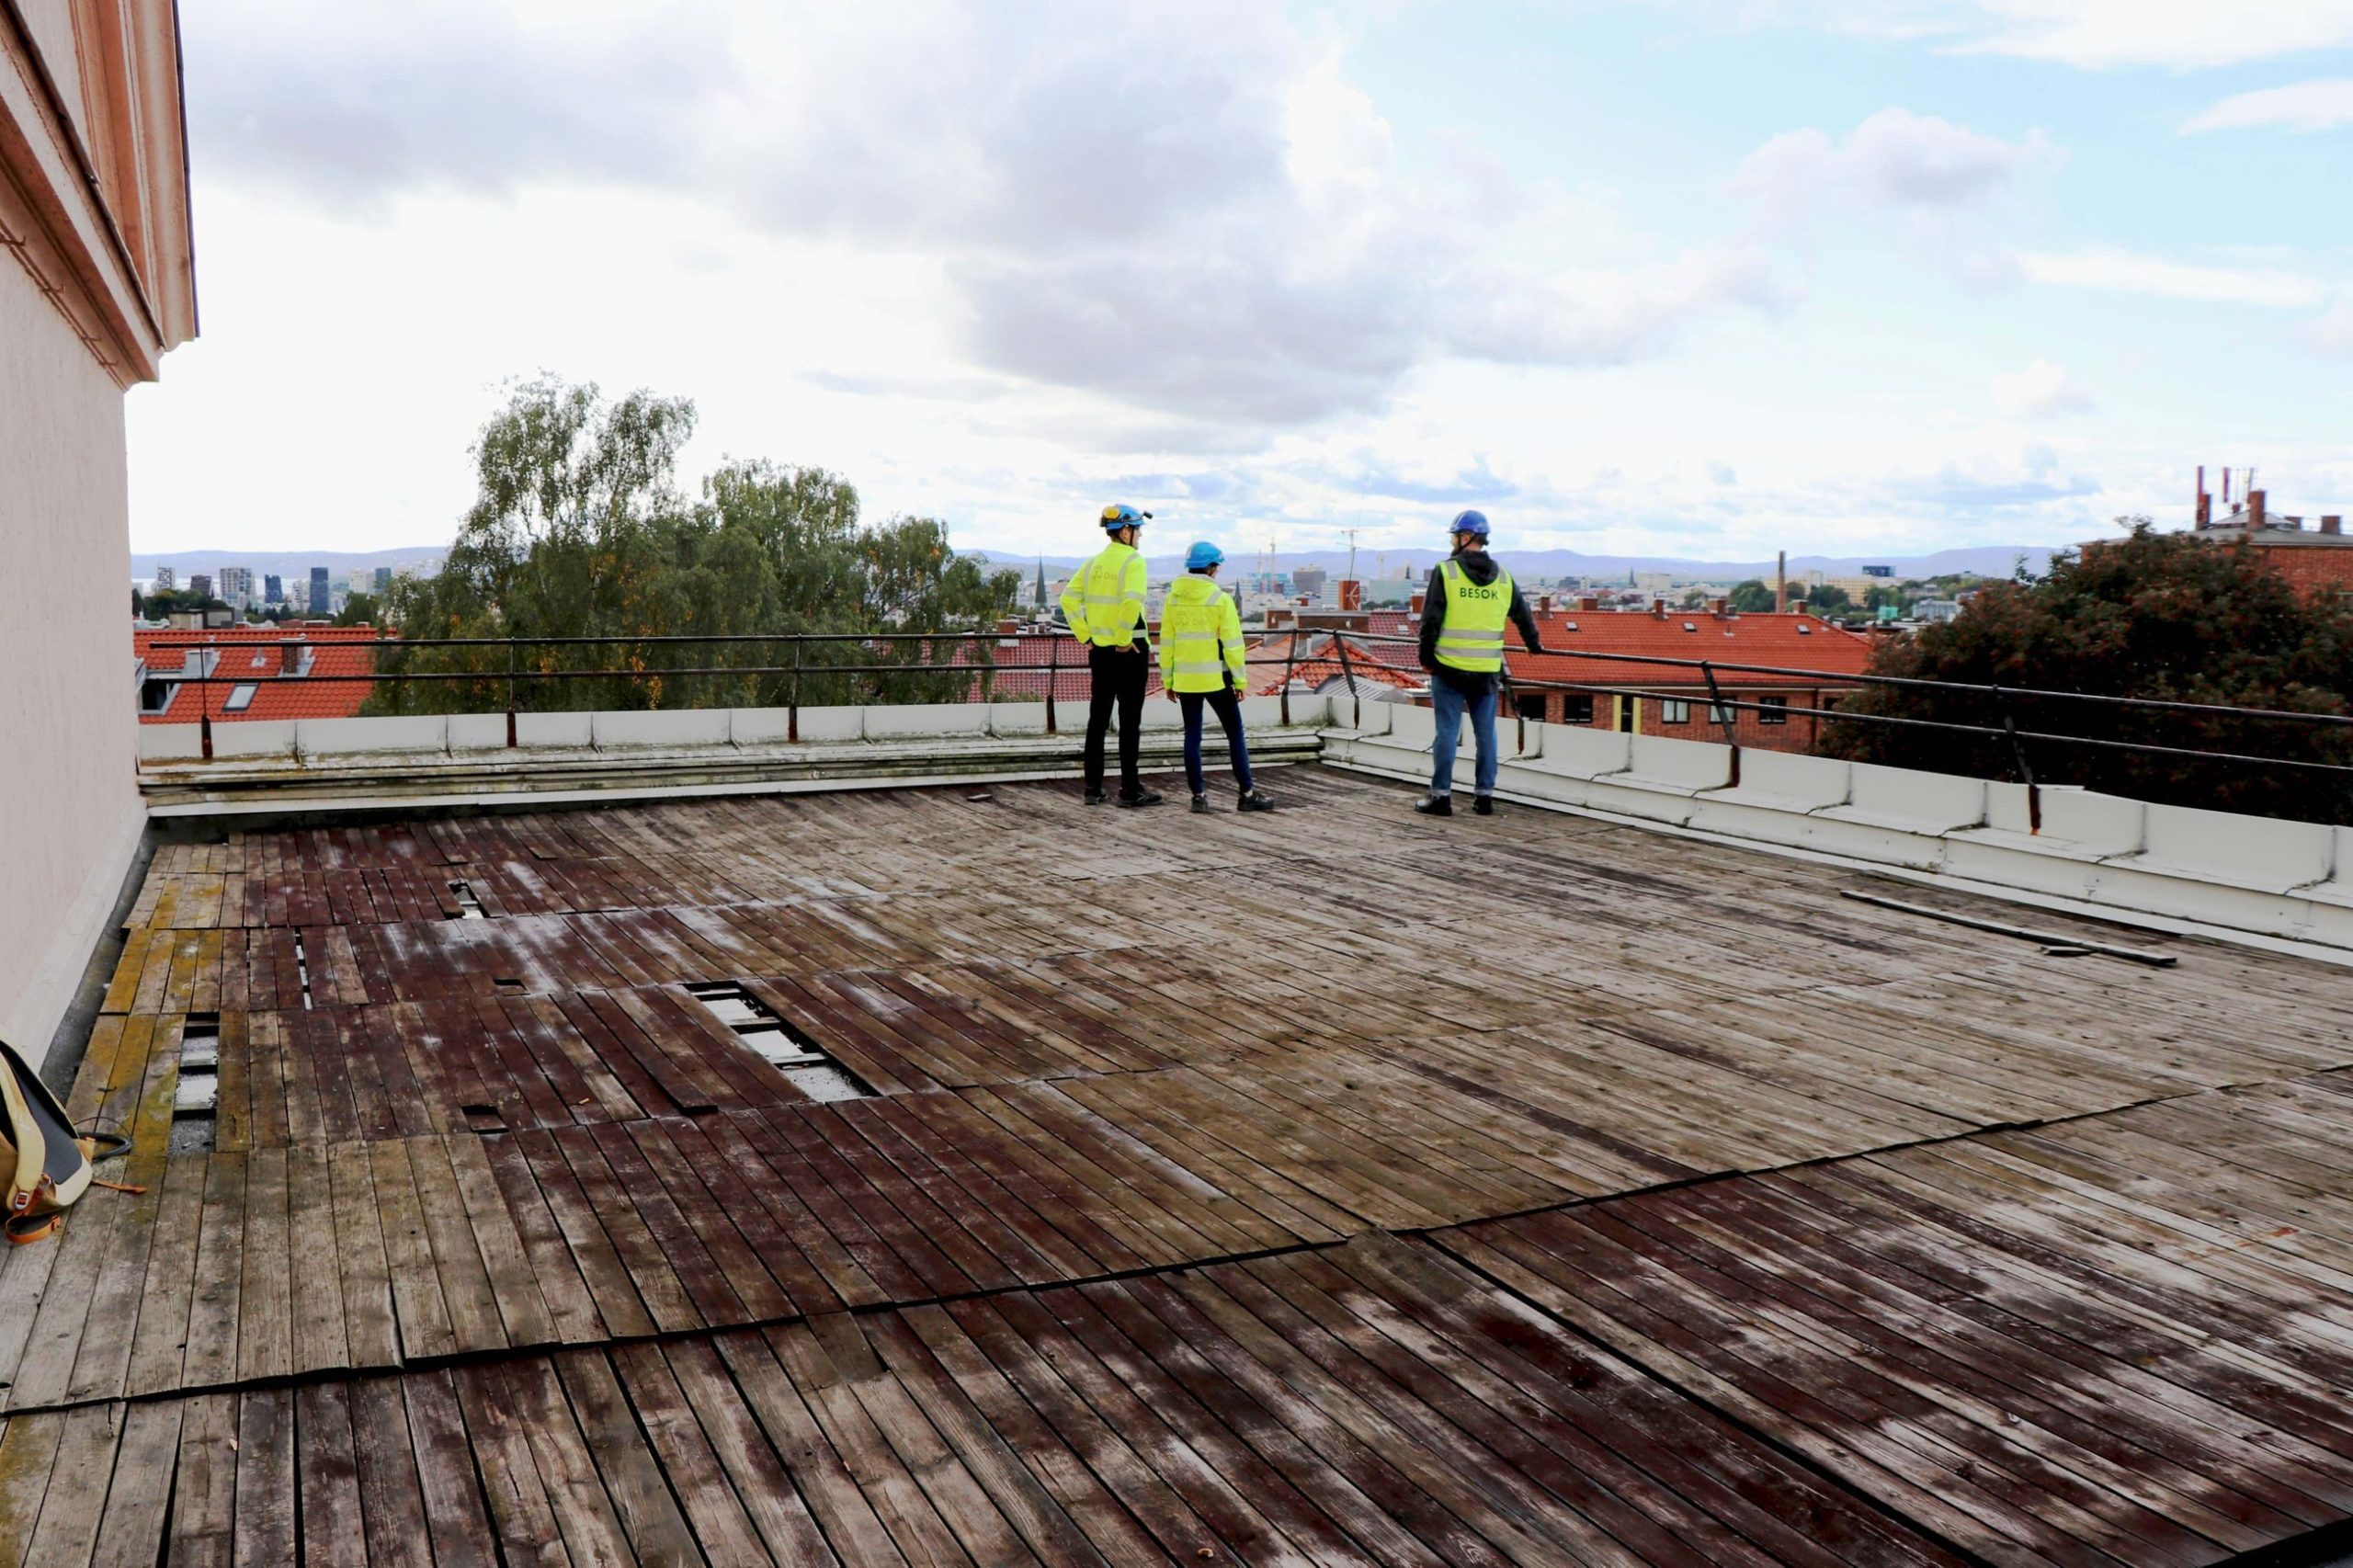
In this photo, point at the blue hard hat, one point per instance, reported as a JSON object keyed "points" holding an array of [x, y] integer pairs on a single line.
{"points": [[1471, 523], [1204, 554], [1120, 516]]}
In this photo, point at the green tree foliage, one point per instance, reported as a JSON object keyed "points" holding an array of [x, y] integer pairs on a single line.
{"points": [[1880, 595], [360, 610], [1828, 599], [2165, 616], [581, 530], [182, 601], [1752, 597]]}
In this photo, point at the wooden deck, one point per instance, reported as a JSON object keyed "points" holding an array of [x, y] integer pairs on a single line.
{"points": [[1326, 1187]]}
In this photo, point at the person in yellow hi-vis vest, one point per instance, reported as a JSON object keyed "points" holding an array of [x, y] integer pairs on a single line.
{"points": [[1471, 600], [1104, 605], [1201, 664]]}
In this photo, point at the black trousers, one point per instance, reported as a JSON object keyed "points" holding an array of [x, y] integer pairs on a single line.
{"points": [[1119, 678]]}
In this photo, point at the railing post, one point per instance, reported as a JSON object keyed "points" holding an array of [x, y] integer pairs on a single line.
{"points": [[1053, 675], [2017, 759], [793, 698], [1723, 716], [1290, 664], [1356, 704], [203, 701], [512, 658]]}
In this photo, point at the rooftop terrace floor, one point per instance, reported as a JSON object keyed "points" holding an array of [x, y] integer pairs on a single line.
{"points": [[1327, 1187]]}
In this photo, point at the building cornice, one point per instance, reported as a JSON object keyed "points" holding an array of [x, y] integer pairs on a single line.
{"points": [[55, 220]]}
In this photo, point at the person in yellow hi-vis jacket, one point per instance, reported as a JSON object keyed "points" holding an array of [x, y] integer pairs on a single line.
{"points": [[1104, 605], [1201, 664]]}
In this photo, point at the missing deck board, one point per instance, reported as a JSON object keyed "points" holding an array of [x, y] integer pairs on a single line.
{"points": [[803, 1063]]}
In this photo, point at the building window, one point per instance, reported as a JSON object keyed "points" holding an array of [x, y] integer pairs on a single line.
{"points": [[1718, 714], [1777, 711], [155, 696], [1531, 707], [1577, 708], [1670, 712]]}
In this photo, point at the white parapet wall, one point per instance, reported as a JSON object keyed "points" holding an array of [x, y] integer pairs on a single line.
{"points": [[466, 759], [2213, 870]]}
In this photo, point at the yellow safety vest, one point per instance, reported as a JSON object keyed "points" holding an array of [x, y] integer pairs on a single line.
{"points": [[1201, 638], [1104, 603], [1471, 638]]}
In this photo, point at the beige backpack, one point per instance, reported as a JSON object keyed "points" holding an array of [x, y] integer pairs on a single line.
{"points": [[47, 1163]]}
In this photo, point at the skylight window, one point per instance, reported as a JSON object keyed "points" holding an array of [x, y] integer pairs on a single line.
{"points": [[1690, 626], [1804, 629], [240, 699]]}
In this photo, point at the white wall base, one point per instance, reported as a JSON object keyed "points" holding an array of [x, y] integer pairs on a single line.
{"points": [[29, 1019]]}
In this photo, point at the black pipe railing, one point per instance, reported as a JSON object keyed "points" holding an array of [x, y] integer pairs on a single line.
{"points": [[986, 674]]}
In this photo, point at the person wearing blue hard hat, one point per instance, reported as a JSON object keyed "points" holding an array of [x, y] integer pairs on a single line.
{"points": [[1201, 666], [1104, 605], [1470, 602]]}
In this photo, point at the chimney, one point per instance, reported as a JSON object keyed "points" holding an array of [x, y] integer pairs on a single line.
{"points": [[2254, 504], [2332, 523], [1780, 582], [1351, 593], [1590, 603], [1719, 608], [2226, 487], [1658, 609], [291, 654], [1007, 628], [2205, 502], [1417, 606], [1543, 604]]}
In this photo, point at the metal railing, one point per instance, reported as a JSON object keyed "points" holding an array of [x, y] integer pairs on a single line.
{"points": [[973, 656]]}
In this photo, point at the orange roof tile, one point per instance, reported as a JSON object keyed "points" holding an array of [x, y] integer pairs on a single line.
{"points": [[249, 656]]}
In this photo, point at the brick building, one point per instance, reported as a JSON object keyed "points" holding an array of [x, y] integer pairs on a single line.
{"points": [[2313, 553]]}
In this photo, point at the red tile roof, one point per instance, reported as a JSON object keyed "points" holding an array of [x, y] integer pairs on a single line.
{"points": [[250, 654], [1788, 642]]}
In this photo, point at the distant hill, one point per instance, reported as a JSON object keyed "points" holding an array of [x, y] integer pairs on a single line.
{"points": [[422, 559], [1987, 561]]}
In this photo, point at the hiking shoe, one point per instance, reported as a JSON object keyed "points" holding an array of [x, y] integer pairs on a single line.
{"points": [[1436, 806], [1255, 801], [1096, 797], [1483, 805], [1201, 804], [1141, 797]]}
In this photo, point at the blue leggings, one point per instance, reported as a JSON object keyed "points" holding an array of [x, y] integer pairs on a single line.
{"points": [[1229, 713]]}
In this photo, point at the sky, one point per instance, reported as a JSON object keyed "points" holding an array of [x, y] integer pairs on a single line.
{"points": [[1698, 277]]}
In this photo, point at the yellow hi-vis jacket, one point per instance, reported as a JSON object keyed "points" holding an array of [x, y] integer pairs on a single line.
{"points": [[1201, 638], [1470, 636], [1104, 603]]}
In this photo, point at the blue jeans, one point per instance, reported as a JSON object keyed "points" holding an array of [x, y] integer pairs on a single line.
{"points": [[1447, 704], [1229, 716]]}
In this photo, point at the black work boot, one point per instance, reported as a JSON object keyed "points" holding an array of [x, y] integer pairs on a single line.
{"points": [[1201, 804], [1096, 797], [1254, 801], [1436, 806], [1140, 798], [1483, 805]]}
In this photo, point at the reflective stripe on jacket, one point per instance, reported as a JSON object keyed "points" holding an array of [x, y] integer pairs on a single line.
{"points": [[1104, 603], [1201, 638], [1472, 635]]}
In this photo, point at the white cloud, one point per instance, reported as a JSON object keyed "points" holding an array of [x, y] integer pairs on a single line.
{"points": [[1186, 208], [2335, 332], [2306, 105], [2039, 391], [2126, 272], [1895, 158], [2180, 35]]}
